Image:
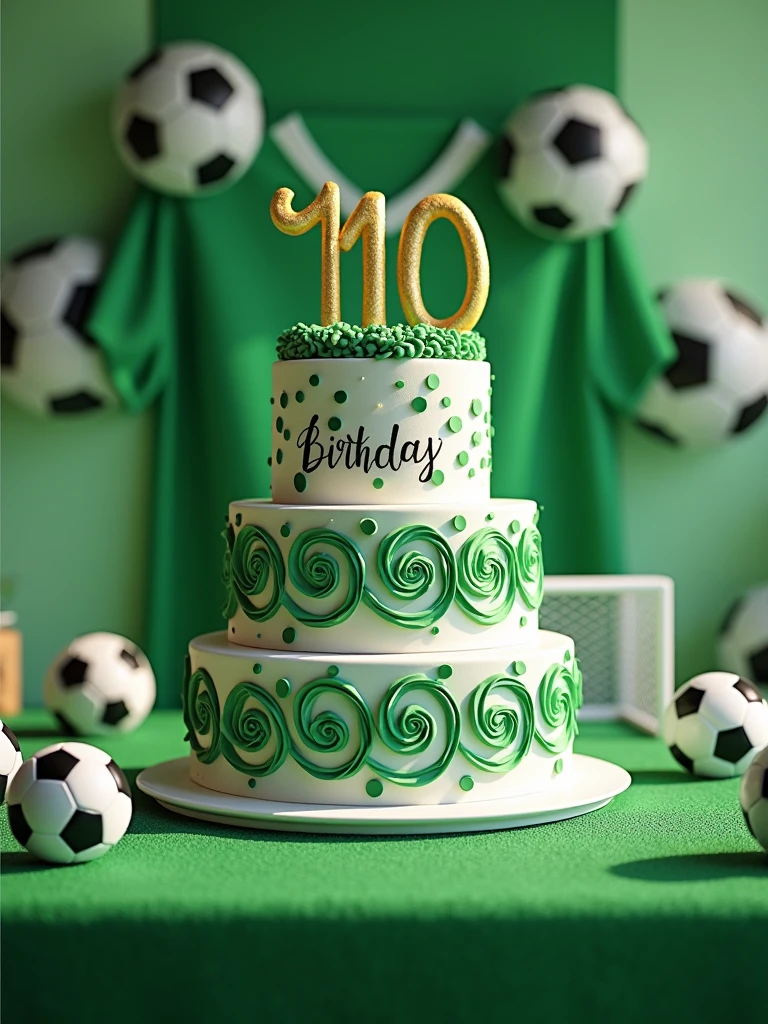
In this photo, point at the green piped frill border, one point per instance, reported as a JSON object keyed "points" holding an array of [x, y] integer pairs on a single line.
{"points": [[378, 341]]}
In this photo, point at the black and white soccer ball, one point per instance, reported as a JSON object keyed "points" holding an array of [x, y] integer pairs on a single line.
{"points": [[100, 684], [718, 384], [715, 725], [69, 803], [189, 119], [50, 364], [571, 158], [743, 642], [10, 758], [754, 798]]}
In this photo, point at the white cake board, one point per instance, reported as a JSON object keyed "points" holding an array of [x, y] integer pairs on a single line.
{"points": [[590, 784]]}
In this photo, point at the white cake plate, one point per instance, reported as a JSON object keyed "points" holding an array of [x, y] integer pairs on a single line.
{"points": [[590, 784]]}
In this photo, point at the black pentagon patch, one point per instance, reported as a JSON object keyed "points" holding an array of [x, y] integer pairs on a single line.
{"points": [[142, 137], [750, 413], [692, 364], [681, 758], [623, 199], [65, 725], [214, 170], [209, 86], [730, 615], [661, 294], [3, 787], [688, 703], [744, 308], [506, 157], [19, 825], [748, 823], [764, 787], [120, 780], [57, 765], [758, 662], [578, 141], [79, 309], [114, 712], [129, 658], [142, 66], [732, 745], [82, 831], [73, 673], [80, 401], [652, 428], [552, 217], [9, 733], [33, 251], [8, 338], [745, 687]]}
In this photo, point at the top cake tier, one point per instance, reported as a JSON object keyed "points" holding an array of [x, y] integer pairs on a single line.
{"points": [[380, 431]]}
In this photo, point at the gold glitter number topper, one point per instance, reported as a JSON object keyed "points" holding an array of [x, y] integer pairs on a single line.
{"points": [[367, 221]]}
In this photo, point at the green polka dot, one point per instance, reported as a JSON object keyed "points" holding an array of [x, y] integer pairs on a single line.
{"points": [[289, 635], [399, 383], [238, 519], [487, 417], [445, 402], [283, 687], [477, 438], [252, 783], [433, 382], [300, 482], [314, 380], [369, 526], [272, 400], [299, 396], [279, 456], [374, 788], [567, 656], [558, 765], [523, 620], [333, 670], [514, 526], [258, 636], [467, 783], [269, 461], [340, 397], [287, 434], [437, 477], [518, 667], [462, 458], [476, 407], [283, 400], [444, 672], [471, 473], [434, 631], [455, 424], [257, 668], [419, 404], [279, 424], [285, 530], [459, 523], [378, 483], [482, 463], [489, 517], [536, 516], [334, 423]]}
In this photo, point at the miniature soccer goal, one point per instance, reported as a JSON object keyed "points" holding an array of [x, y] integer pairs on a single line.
{"points": [[623, 627]]}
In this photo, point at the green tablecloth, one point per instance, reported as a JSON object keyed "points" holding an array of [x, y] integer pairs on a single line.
{"points": [[656, 906]]}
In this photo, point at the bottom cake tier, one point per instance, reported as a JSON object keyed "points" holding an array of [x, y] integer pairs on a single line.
{"points": [[353, 729]]}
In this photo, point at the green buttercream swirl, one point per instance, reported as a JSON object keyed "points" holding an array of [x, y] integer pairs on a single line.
{"points": [[229, 607], [559, 698], [200, 708], [530, 568], [412, 574], [316, 574], [257, 565], [250, 729], [378, 341], [412, 730], [501, 726], [486, 576], [327, 732]]}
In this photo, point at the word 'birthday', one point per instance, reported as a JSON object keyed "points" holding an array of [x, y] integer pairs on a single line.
{"points": [[355, 452]]}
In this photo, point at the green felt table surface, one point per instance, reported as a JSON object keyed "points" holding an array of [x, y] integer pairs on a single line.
{"points": [[653, 907]]}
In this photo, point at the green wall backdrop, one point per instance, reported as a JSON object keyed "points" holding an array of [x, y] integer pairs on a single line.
{"points": [[74, 495]]}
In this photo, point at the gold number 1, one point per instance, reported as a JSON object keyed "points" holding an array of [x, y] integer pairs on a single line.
{"points": [[368, 219]]}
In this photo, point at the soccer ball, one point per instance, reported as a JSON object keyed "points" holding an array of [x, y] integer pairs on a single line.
{"points": [[101, 683], [50, 364], [10, 758], [754, 798], [571, 159], [743, 645], [715, 725], [69, 803], [718, 385], [189, 119]]}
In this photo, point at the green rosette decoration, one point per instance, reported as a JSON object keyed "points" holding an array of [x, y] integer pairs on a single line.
{"points": [[501, 726], [257, 565], [530, 568], [412, 730], [250, 729], [200, 708], [229, 607], [412, 574], [317, 574], [486, 577], [327, 732], [558, 698]]}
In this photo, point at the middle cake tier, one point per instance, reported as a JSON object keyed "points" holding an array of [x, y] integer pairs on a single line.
{"points": [[382, 579]]}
